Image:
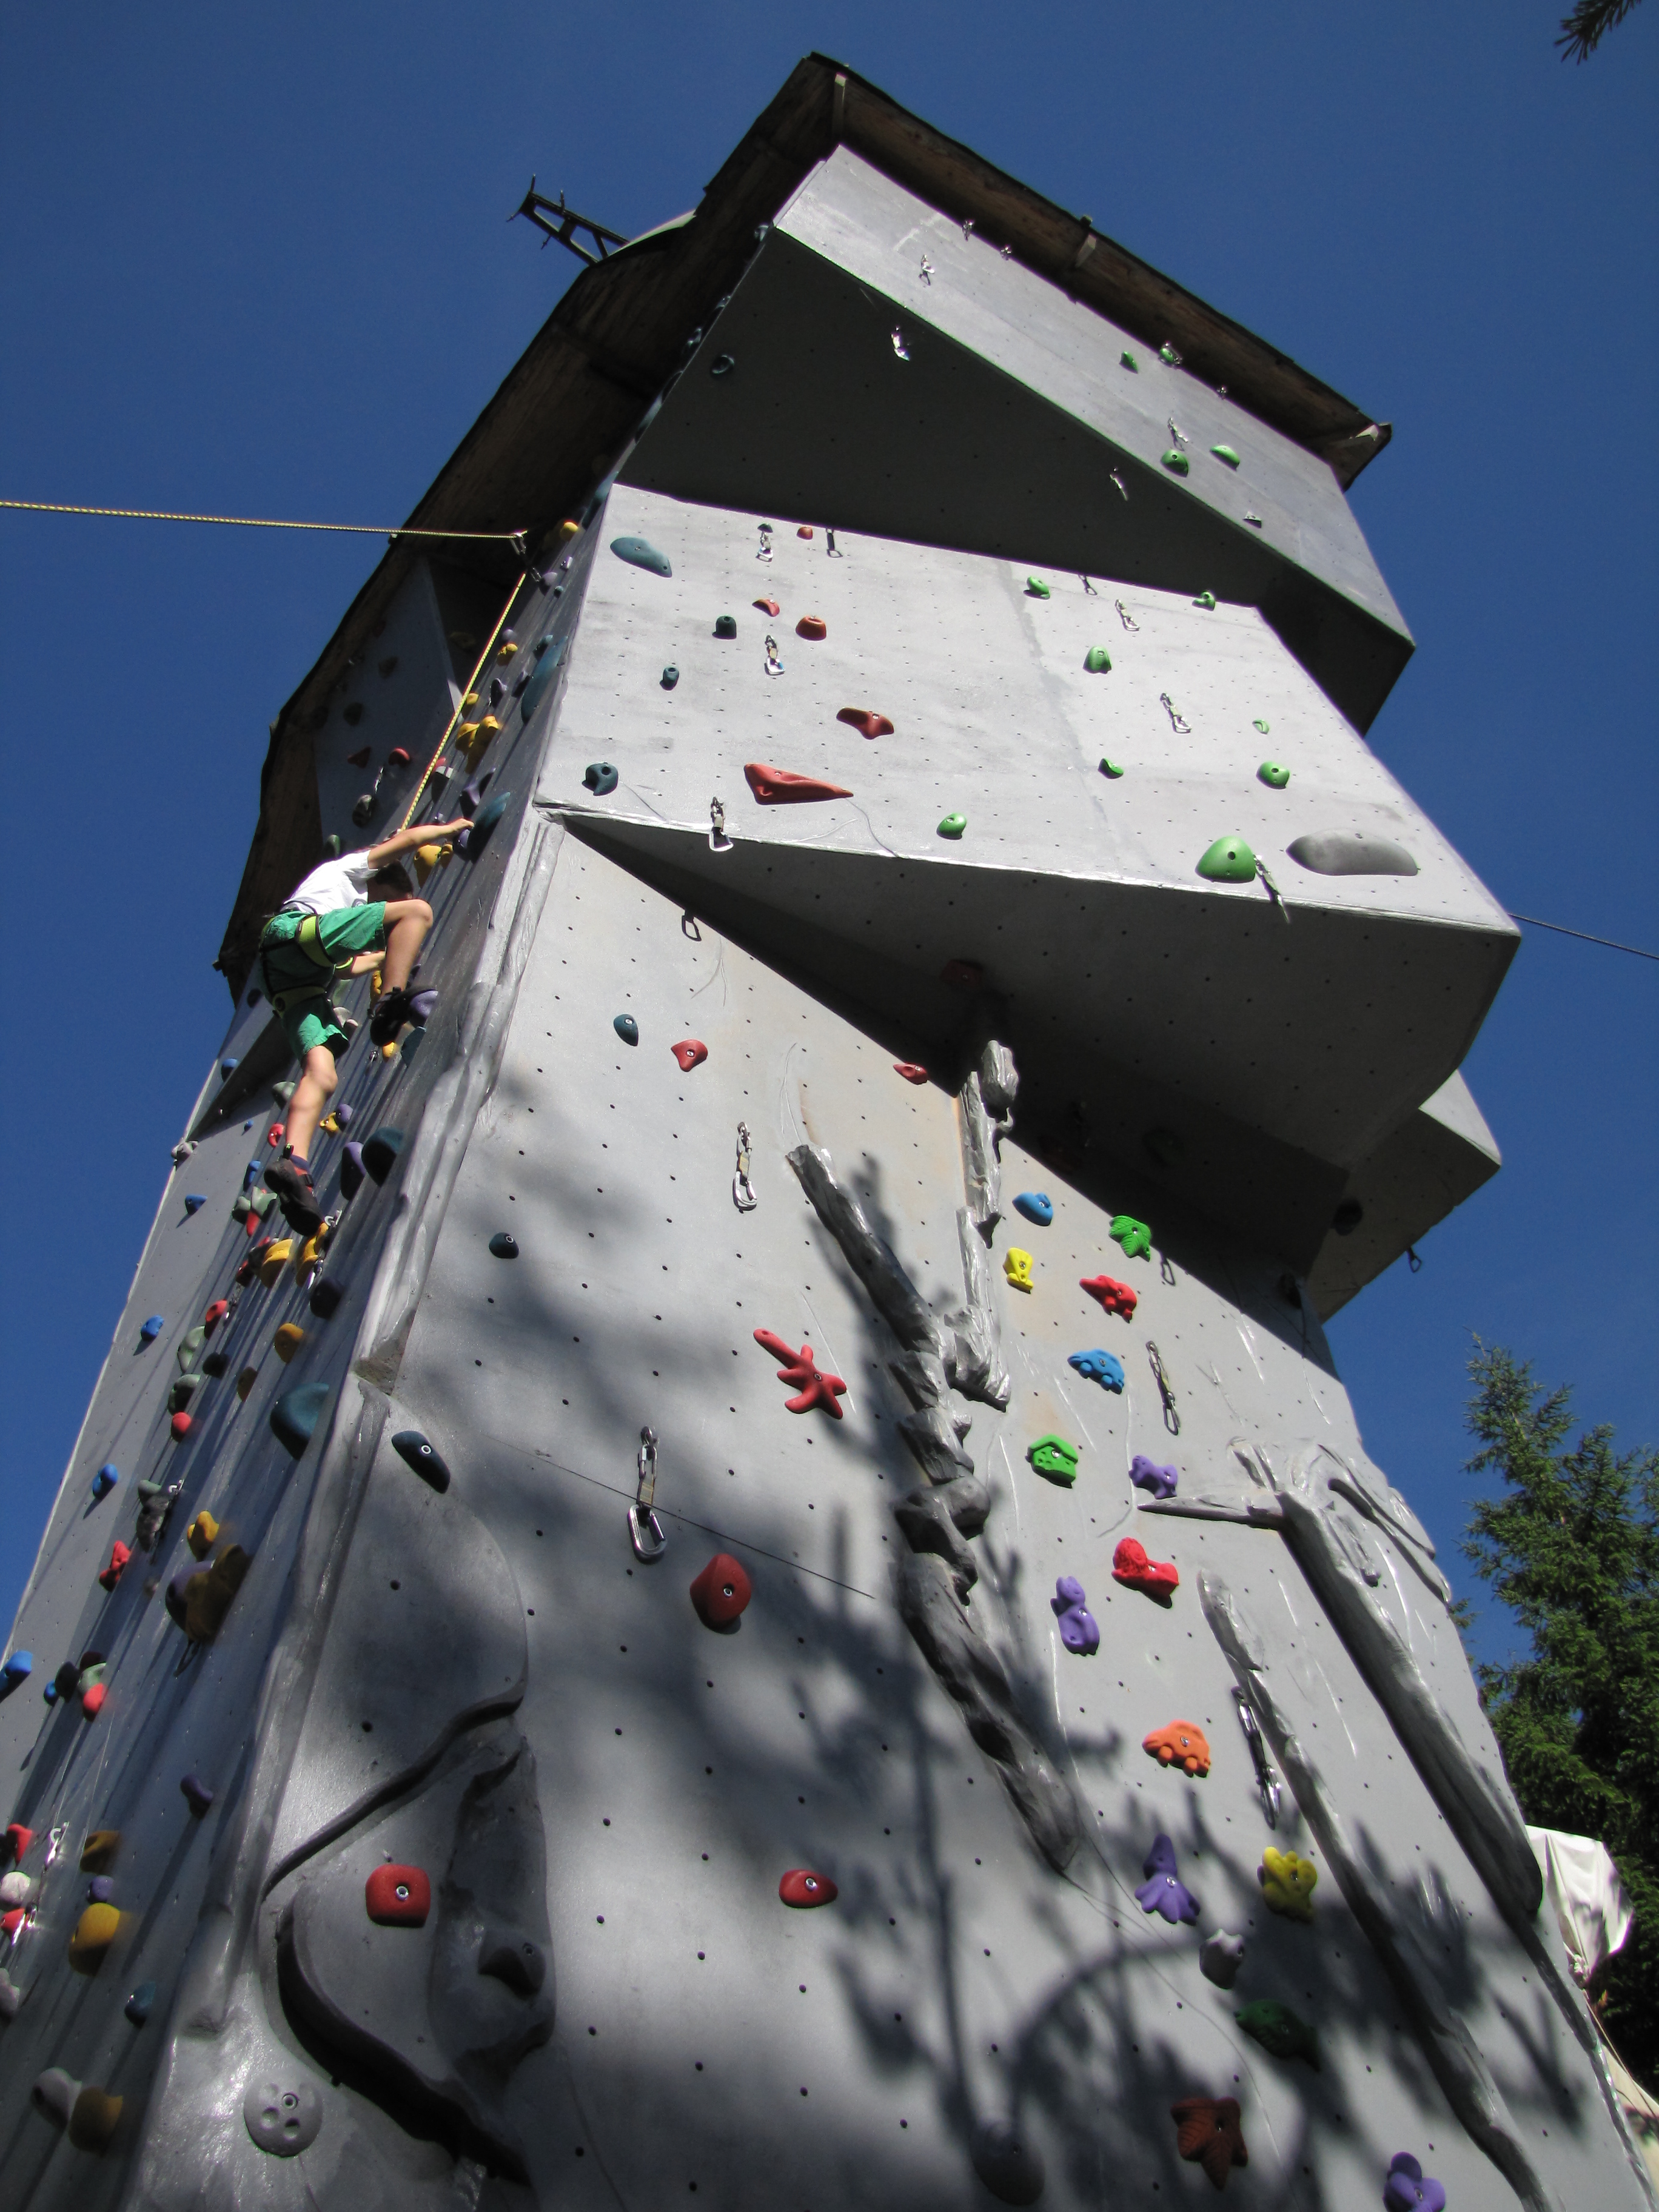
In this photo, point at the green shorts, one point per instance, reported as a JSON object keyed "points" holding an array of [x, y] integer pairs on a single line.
{"points": [[308, 1019]]}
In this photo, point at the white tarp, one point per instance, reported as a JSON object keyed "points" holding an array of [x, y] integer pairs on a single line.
{"points": [[1590, 1907]]}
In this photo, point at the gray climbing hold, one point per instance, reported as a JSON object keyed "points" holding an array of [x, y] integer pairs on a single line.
{"points": [[379, 1151], [722, 365], [1220, 1958], [671, 676], [503, 1245], [282, 1092], [627, 1029], [417, 1451], [294, 1416], [1339, 853], [283, 2116], [725, 626], [641, 553], [1010, 2166], [139, 2006], [599, 777]]}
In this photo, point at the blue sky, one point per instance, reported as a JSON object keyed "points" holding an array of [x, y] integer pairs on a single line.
{"points": [[260, 264]]}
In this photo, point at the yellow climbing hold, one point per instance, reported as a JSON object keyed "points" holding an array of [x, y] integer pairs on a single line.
{"points": [[427, 858], [95, 1931], [202, 1534], [277, 1256], [98, 1852], [288, 1338], [506, 650], [471, 699], [388, 1052], [466, 733], [93, 2119], [1287, 1883], [245, 1382], [1017, 1265]]}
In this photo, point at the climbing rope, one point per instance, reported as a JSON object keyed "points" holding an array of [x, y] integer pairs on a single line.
{"points": [[1612, 943], [473, 684], [515, 539]]}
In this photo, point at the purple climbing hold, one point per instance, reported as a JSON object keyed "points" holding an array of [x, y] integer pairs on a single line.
{"points": [[1408, 2189], [100, 1890], [1163, 1891], [1146, 1475], [197, 1795], [1078, 1630], [342, 1116], [472, 797], [352, 1170], [421, 1004]]}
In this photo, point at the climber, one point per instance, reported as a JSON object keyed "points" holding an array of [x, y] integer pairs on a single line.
{"points": [[351, 916]]}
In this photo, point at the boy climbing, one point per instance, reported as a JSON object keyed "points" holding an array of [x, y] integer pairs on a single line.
{"points": [[349, 916]]}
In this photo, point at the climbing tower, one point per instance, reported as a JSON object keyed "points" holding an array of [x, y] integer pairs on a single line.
{"points": [[788, 1607]]}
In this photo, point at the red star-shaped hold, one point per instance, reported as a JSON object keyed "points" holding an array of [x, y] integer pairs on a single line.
{"points": [[1208, 2134], [1116, 1297], [811, 1385]]}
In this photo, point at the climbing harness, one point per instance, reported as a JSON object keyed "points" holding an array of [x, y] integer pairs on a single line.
{"points": [[1128, 620], [743, 1191], [306, 939], [1177, 722], [645, 1531], [1267, 1782], [718, 840], [1165, 1388]]}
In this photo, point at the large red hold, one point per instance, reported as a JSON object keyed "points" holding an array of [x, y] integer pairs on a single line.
{"points": [[801, 1888], [1131, 1566], [1116, 1297], [867, 723], [217, 1312], [180, 1427], [721, 1591], [690, 1052], [397, 1896], [910, 1070], [778, 787], [812, 626], [812, 1385], [119, 1554]]}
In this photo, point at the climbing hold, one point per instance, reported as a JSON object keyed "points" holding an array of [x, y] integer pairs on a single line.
{"points": [[105, 1481], [503, 1245], [228, 1067], [180, 1425], [398, 757], [1273, 776], [1177, 461], [953, 826], [639, 553], [1261, 726], [326, 1299], [1035, 1205], [360, 758], [1079, 1629], [1097, 661], [214, 1314], [725, 625], [626, 1028], [98, 1852], [139, 2006], [415, 1451], [1101, 1367], [283, 2118], [380, 1151], [721, 1591], [1220, 1958], [1408, 2189], [813, 627], [1036, 588], [1110, 770], [1225, 453], [1116, 1297], [476, 836], [1128, 360], [899, 346], [1133, 1236], [1287, 1883], [867, 723], [150, 1329], [95, 1931], [671, 676], [216, 1365], [690, 1053], [1162, 1892], [194, 1201], [801, 1888], [1206, 600], [599, 777], [245, 1382], [1182, 1744], [1228, 861], [768, 607], [118, 1557], [1335, 853], [471, 798], [92, 1699], [397, 1896], [196, 1796], [16, 1889], [1281, 2033], [777, 786], [351, 1170], [812, 1386], [1208, 2134], [18, 1668], [207, 1596], [294, 1416], [803, 530], [276, 1134], [1010, 2167], [287, 1340], [961, 976], [909, 1069], [274, 1257], [1016, 1267], [1054, 1457], [283, 1092], [1155, 1578], [1145, 1474]]}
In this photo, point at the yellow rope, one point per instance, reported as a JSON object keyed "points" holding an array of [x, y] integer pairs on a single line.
{"points": [[513, 537], [472, 684]]}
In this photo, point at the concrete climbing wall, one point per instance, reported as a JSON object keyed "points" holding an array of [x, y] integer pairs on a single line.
{"points": [[791, 1609]]}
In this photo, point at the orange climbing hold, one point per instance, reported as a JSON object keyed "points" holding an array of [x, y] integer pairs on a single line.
{"points": [[92, 1699], [909, 1071], [813, 627], [777, 786], [275, 1133], [95, 1931], [804, 531], [202, 1534], [866, 722], [769, 606], [690, 1052], [1116, 1297], [812, 1385], [1182, 1744]]}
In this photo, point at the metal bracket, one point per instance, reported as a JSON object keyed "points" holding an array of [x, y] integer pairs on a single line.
{"points": [[645, 1531], [540, 211], [1267, 1781]]}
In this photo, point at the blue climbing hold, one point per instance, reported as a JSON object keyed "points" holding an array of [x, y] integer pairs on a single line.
{"points": [[541, 682], [194, 1201], [150, 1329], [105, 1481], [294, 1416], [417, 1451], [18, 1668], [1101, 1367], [380, 1151], [226, 1067], [251, 1173], [1037, 1206], [352, 1170], [627, 1029], [599, 777], [50, 1693], [139, 2006], [641, 553]]}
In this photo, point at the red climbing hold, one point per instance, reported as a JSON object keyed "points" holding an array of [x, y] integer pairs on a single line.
{"points": [[962, 975], [119, 1554], [1208, 2135], [721, 1591], [690, 1052], [359, 759], [812, 626], [777, 786], [909, 1071], [867, 723], [801, 1888], [275, 1133], [180, 1426], [397, 1896], [801, 1371], [1131, 1566], [18, 1840], [804, 531], [12, 1920], [398, 757], [769, 606], [92, 1699], [217, 1312], [1116, 1297]]}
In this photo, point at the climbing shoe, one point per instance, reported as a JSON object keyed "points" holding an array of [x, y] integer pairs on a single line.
{"points": [[391, 1010], [298, 1199]]}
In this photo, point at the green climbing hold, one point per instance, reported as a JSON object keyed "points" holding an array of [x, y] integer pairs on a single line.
{"points": [[181, 1393], [641, 553], [1206, 600], [1225, 453], [189, 1344], [1097, 661], [1260, 725], [1228, 861], [1110, 769], [282, 1092], [1176, 459], [1168, 356], [1281, 2033], [1133, 1236], [1036, 588], [1054, 1457], [953, 826], [294, 1416], [1271, 774], [331, 845], [1128, 360]]}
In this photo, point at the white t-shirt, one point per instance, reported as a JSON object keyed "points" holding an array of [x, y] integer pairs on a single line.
{"points": [[336, 885]]}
